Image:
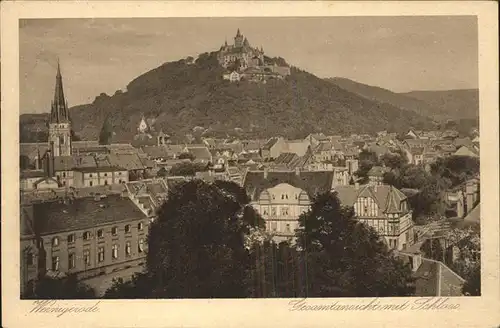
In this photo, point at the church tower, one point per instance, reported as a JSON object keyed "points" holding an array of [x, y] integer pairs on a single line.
{"points": [[59, 122], [238, 40]]}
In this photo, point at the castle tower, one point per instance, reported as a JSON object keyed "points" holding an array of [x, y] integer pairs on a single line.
{"points": [[59, 121], [238, 39]]}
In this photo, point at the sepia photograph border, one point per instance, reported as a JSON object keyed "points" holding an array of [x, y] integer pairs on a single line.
{"points": [[466, 311]]}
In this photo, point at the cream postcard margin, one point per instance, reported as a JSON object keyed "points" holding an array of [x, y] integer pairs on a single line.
{"points": [[481, 311]]}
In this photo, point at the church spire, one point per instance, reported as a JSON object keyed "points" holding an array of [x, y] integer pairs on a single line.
{"points": [[238, 33], [59, 110]]}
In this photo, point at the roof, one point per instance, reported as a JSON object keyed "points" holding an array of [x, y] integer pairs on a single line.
{"points": [[157, 151], [299, 147], [270, 143], [324, 146], [127, 161], [388, 198], [467, 151], [32, 174], [313, 183], [475, 214], [285, 158], [319, 136], [83, 161], [99, 169], [67, 163], [200, 153], [83, 213], [433, 278]]}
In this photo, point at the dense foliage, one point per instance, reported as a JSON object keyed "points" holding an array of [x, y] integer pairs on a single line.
{"points": [[59, 288], [206, 232], [444, 174], [345, 257]]}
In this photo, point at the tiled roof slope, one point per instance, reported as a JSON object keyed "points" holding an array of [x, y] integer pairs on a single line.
{"points": [[83, 213], [312, 182]]}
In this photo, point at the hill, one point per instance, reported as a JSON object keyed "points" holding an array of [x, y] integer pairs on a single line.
{"points": [[182, 95], [460, 104], [382, 95]]}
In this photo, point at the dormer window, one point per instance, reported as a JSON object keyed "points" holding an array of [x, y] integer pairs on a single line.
{"points": [[55, 241]]}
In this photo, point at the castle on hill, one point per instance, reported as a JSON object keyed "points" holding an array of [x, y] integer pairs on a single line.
{"points": [[244, 62]]}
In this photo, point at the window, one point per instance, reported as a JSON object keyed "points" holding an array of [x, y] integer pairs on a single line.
{"points": [[139, 226], [265, 211], [64, 183], [140, 247], [100, 233], [71, 261], [90, 175], [90, 183], [55, 242], [100, 254], [29, 258], [274, 197], [114, 231], [86, 235], [273, 210], [282, 196], [114, 252], [86, 258], [274, 226], [127, 228], [71, 238], [105, 174], [64, 174], [105, 182], [55, 263], [287, 228], [119, 173], [284, 211], [127, 248]]}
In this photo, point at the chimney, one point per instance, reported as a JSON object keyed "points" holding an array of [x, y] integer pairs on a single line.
{"points": [[266, 172], [356, 185], [297, 170]]}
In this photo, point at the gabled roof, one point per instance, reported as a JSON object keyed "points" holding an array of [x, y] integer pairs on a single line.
{"points": [[200, 153], [387, 197], [312, 182], [270, 143]]}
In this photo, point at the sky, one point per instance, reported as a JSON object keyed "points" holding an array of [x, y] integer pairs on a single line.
{"points": [[398, 53]]}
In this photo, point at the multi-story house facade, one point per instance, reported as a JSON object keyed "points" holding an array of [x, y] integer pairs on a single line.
{"points": [[383, 208], [86, 236], [281, 196]]}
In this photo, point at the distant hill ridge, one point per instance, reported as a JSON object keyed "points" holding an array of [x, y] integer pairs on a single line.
{"points": [[181, 95]]}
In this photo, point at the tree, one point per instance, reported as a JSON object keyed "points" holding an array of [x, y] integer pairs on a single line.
{"points": [[344, 257], [106, 132], [162, 172], [367, 160], [197, 244], [472, 286], [184, 169], [137, 287], [394, 160], [60, 288]]}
